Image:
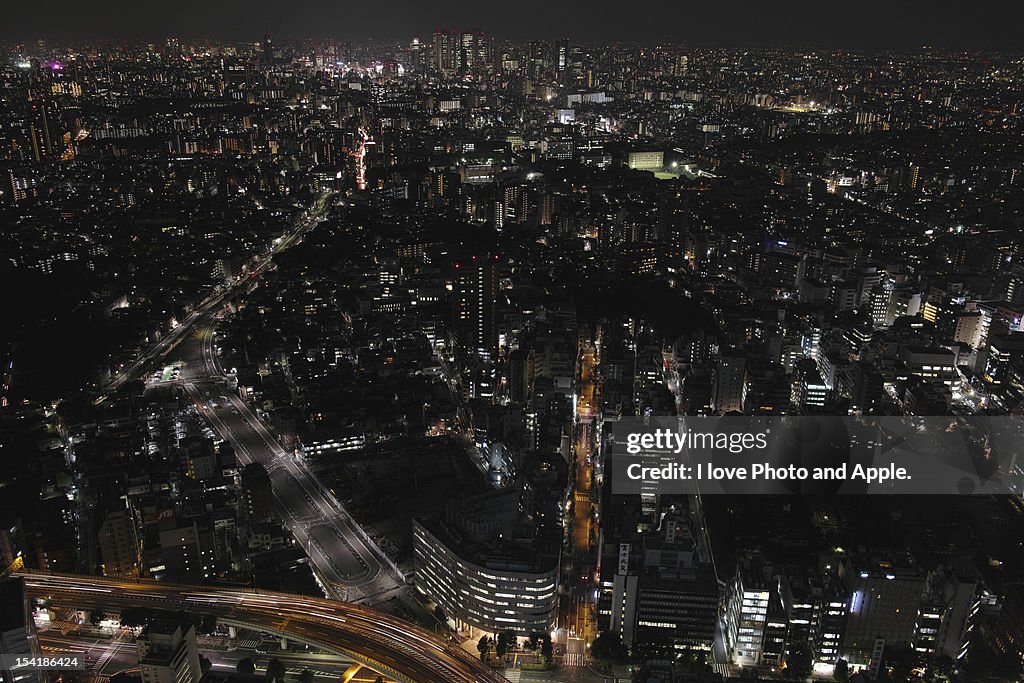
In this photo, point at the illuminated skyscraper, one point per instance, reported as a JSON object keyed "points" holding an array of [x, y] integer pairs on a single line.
{"points": [[562, 55], [268, 51], [474, 281], [444, 52], [474, 52], [682, 65], [538, 61], [418, 56], [467, 51], [43, 131]]}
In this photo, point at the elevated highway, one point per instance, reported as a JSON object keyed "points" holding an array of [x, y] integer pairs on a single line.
{"points": [[390, 646]]}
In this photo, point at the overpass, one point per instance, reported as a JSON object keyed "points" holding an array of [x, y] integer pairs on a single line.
{"points": [[388, 645]]}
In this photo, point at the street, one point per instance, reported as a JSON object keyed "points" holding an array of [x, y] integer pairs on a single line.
{"points": [[307, 221], [387, 644], [345, 561], [578, 625]]}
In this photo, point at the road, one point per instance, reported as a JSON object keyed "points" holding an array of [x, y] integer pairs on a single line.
{"points": [[111, 651], [347, 563], [104, 656], [580, 628], [305, 222], [386, 644]]}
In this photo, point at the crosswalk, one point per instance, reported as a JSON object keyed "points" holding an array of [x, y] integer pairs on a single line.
{"points": [[514, 675], [573, 659]]}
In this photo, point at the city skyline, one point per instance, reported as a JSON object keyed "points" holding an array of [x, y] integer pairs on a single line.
{"points": [[871, 24], [452, 359]]}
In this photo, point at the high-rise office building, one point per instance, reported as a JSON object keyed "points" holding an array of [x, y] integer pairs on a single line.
{"points": [[445, 53], [538, 60], [730, 388], [43, 131], [268, 51], [884, 606], [663, 596], [257, 494], [469, 562], [418, 56], [17, 631], [473, 52], [168, 653], [682, 65], [747, 614], [561, 55], [467, 51], [119, 544], [474, 282]]}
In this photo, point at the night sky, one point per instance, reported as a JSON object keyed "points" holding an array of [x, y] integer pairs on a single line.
{"points": [[828, 23]]}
